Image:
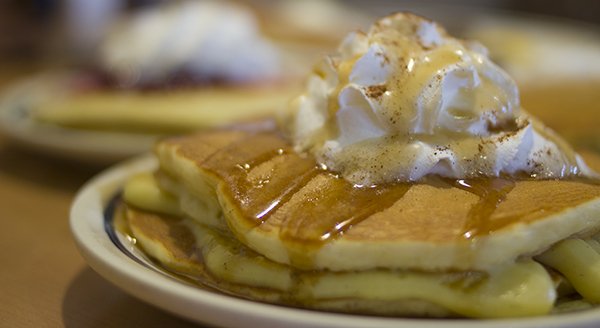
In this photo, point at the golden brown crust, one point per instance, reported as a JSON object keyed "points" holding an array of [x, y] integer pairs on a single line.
{"points": [[285, 206]]}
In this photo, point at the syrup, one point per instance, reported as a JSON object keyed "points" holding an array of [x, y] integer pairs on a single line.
{"points": [[491, 192], [262, 175]]}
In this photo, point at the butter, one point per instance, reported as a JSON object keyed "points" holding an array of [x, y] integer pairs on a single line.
{"points": [[579, 263]]}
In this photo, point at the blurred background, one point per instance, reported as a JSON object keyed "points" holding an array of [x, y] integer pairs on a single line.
{"points": [[550, 47], [30, 28]]}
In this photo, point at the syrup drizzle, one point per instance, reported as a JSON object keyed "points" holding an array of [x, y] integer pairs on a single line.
{"points": [[265, 173], [491, 193], [260, 195], [262, 175], [336, 207]]}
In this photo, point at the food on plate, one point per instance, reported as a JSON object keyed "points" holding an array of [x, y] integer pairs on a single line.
{"points": [[185, 66], [405, 180]]}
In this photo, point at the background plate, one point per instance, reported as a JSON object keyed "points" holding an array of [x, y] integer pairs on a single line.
{"points": [[97, 147]]}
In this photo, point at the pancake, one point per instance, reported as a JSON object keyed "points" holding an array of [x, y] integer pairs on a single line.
{"points": [[162, 111], [265, 223], [270, 196], [476, 211], [232, 268]]}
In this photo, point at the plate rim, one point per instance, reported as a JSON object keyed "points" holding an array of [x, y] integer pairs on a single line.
{"points": [[99, 147], [87, 222]]}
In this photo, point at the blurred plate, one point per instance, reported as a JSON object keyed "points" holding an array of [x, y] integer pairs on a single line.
{"points": [[114, 257], [98, 147]]}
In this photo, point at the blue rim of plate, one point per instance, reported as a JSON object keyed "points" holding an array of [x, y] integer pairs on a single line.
{"points": [[112, 233]]}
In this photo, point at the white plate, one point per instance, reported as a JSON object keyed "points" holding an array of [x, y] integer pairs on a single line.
{"points": [[96, 147], [122, 264]]}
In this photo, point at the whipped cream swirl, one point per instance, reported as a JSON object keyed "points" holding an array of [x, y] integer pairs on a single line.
{"points": [[406, 100], [209, 40]]}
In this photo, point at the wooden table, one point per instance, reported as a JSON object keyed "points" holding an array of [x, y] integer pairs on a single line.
{"points": [[44, 282]]}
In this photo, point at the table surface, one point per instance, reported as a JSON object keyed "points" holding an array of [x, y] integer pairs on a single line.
{"points": [[43, 279], [44, 282]]}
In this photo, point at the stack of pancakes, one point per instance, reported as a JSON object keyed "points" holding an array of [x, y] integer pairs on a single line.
{"points": [[238, 210]]}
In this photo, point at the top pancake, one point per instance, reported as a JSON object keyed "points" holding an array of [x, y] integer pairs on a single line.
{"points": [[288, 208]]}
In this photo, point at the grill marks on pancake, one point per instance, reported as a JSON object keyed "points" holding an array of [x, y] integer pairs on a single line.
{"points": [[331, 206], [484, 217], [262, 173], [266, 181], [249, 174]]}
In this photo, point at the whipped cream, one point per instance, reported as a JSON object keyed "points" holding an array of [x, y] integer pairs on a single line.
{"points": [[210, 40], [406, 100]]}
